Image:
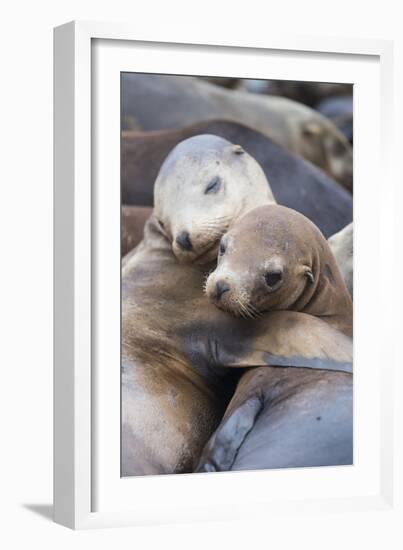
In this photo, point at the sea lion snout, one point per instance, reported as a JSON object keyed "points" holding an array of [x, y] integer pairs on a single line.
{"points": [[183, 240], [221, 287]]}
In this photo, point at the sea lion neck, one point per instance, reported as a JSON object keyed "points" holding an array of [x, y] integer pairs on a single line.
{"points": [[327, 296], [154, 236]]}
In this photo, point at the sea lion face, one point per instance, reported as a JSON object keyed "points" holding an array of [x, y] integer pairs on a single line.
{"points": [[264, 263], [206, 183], [332, 147]]}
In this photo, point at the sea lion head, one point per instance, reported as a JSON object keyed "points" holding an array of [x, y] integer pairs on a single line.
{"points": [[327, 147], [205, 184], [276, 259]]}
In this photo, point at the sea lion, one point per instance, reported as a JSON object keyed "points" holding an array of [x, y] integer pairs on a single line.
{"points": [[309, 93], [157, 102], [133, 221], [275, 259], [342, 246], [284, 418], [176, 345], [340, 111], [209, 175], [294, 182]]}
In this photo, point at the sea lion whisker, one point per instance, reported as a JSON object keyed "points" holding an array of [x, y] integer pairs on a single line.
{"points": [[255, 311], [244, 309]]}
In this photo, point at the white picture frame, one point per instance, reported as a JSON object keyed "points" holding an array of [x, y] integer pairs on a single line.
{"points": [[88, 490]]}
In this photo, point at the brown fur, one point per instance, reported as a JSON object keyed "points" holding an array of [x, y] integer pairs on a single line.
{"points": [[273, 237]]}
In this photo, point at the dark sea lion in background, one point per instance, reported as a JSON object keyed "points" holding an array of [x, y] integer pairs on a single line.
{"points": [[275, 259], [133, 221], [225, 82], [294, 182], [342, 246], [157, 102], [339, 110], [309, 93], [176, 345]]}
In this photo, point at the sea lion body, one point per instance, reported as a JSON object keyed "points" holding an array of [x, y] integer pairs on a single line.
{"points": [[157, 102], [170, 404], [284, 418], [294, 182], [133, 221]]}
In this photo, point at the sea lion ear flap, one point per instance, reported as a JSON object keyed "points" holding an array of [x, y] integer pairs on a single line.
{"points": [[311, 128], [238, 150], [308, 273]]}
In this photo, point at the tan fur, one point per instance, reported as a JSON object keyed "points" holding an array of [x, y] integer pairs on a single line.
{"points": [[274, 239]]}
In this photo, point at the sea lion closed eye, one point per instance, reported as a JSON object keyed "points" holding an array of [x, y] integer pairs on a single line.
{"points": [[205, 184]]}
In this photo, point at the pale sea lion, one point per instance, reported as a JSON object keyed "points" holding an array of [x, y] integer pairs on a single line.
{"points": [[342, 246], [218, 182], [294, 182], [274, 258], [157, 102], [176, 345]]}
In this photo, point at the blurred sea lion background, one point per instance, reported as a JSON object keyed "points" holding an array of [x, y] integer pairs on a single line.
{"points": [[156, 102]]}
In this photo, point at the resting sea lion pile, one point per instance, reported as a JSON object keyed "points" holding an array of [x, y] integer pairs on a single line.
{"points": [[236, 310]]}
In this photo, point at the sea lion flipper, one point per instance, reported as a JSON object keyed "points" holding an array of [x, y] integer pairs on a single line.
{"points": [[222, 448]]}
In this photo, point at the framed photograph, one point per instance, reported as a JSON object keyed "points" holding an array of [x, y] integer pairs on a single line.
{"points": [[222, 216]]}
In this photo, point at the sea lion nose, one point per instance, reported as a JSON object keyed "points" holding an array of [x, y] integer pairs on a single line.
{"points": [[183, 240], [220, 288]]}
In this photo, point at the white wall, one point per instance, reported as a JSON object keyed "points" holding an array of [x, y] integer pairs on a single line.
{"points": [[26, 266]]}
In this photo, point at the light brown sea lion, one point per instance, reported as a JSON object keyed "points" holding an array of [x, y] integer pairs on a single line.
{"points": [[342, 245], [275, 259], [176, 345], [158, 102]]}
